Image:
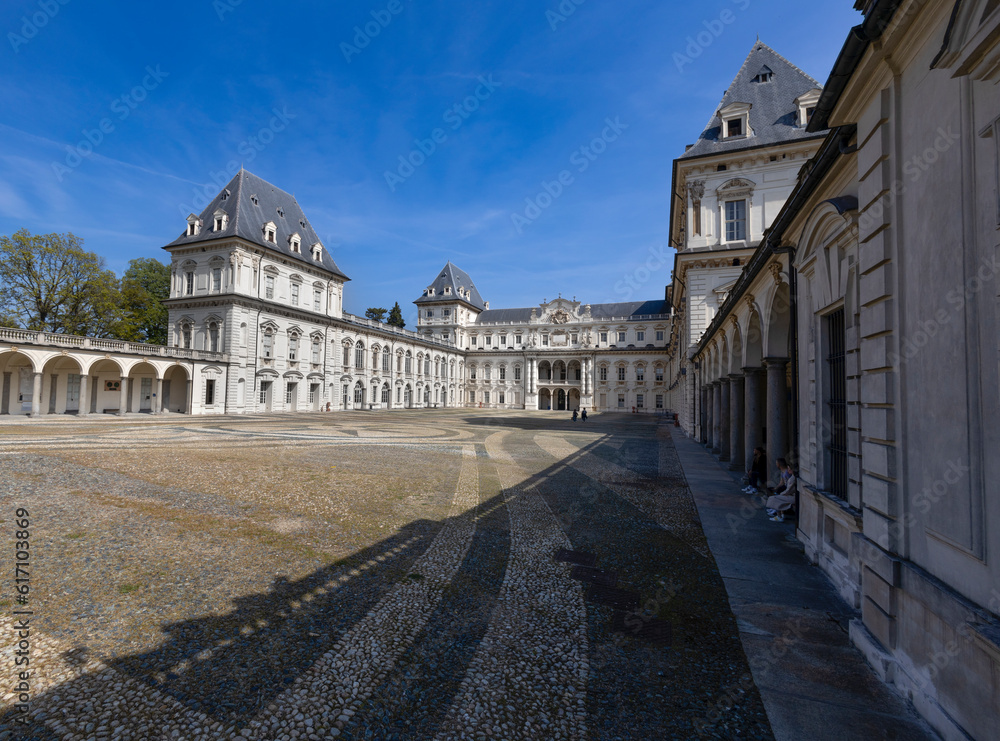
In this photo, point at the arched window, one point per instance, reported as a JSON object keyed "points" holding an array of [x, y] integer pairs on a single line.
{"points": [[186, 336], [359, 356], [346, 357], [213, 337], [316, 345], [659, 374], [359, 394], [640, 373], [409, 362], [293, 346], [375, 354], [386, 367], [385, 394], [268, 343], [427, 365]]}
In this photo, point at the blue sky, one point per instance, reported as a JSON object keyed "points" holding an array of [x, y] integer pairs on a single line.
{"points": [[502, 94]]}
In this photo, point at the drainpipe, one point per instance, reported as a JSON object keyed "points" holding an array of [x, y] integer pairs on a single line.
{"points": [[793, 279]]}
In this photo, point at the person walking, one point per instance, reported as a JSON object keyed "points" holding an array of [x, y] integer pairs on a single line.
{"points": [[583, 415], [574, 415]]}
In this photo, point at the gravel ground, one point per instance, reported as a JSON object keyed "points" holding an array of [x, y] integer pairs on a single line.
{"points": [[365, 576]]}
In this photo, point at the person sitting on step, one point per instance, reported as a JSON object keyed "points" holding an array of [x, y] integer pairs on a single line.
{"points": [[782, 497], [757, 472]]}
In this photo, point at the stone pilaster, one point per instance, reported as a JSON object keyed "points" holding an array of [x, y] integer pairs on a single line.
{"points": [[737, 409]]}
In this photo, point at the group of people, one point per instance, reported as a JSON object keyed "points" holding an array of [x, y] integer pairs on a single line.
{"points": [[781, 498], [583, 415]]}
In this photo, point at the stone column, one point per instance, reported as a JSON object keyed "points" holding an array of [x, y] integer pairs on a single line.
{"points": [[777, 413], [717, 417], [190, 393], [158, 406], [84, 396], [36, 396], [706, 433], [710, 409], [724, 420], [122, 396], [753, 424], [737, 456]]}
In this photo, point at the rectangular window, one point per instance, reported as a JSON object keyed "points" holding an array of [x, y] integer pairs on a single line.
{"points": [[545, 340], [213, 338], [659, 375], [268, 286], [317, 300], [621, 337], [346, 360], [475, 340], [265, 389], [659, 335], [268, 344], [604, 338], [501, 399], [734, 127], [472, 374], [189, 283], [289, 389], [503, 340], [574, 338], [487, 373], [517, 373], [293, 348], [517, 339], [216, 279], [659, 401], [640, 336], [489, 340], [486, 397], [503, 373], [836, 448], [295, 294], [621, 374], [315, 351], [447, 312], [604, 373], [621, 401], [313, 388], [736, 221], [430, 313], [209, 392], [638, 401], [472, 397], [640, 374]]}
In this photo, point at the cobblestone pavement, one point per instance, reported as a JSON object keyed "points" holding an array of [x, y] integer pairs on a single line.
{"points": [[365, 576]]}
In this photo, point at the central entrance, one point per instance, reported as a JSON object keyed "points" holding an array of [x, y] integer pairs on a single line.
{"points": [[561, 400]]}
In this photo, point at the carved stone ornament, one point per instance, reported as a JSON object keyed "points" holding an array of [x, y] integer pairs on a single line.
{"points": [[560, 317], [775, 268], [697, 190], [750, 299]]}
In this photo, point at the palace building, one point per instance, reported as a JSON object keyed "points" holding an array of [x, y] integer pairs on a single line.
{"points": [[256, 325]]}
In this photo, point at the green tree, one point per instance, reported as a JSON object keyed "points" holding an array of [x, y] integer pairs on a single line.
{"points": [[145, 285], [49, 282], [377, 314], [396, 317]]}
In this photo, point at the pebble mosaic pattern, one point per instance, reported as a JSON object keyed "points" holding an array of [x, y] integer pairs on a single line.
{"points": [[362, 576]]}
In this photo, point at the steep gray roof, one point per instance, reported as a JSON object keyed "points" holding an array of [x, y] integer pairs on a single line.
{"points": [[597, 311], [251, 202], [773, 113], [455, 278]]}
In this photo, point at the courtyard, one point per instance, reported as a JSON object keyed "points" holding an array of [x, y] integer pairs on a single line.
{"points": [[369, 576]]}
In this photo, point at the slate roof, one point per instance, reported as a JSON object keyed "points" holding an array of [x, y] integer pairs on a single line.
{"points": [[456, 278], [597, 311], [251, 202], [773, 115]]}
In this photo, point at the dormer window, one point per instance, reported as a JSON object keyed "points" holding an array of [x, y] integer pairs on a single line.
{"points": [[735, 120], [430, 291], [281, 212], [225, 194], [317, 252], [221, 220], [764, 75], [447, 290], [806, 106], [295, 243], [194, 226], [254, 200], [271, 232]]}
